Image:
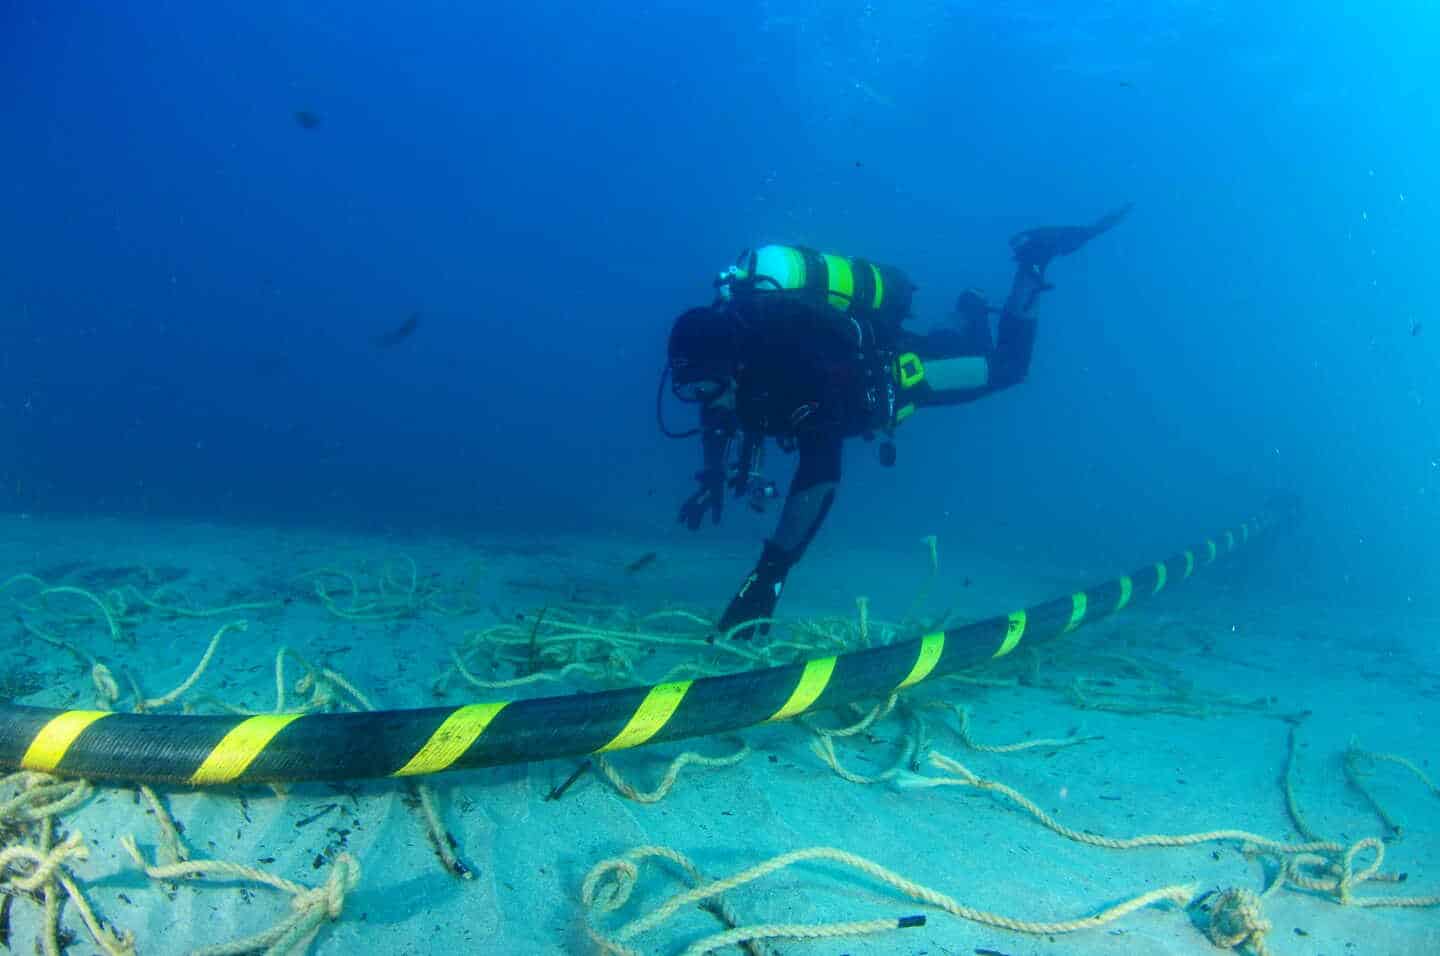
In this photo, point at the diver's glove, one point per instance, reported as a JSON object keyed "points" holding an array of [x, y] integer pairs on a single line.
{"points": [[758, 595], [1034, 248], [710, 496]]}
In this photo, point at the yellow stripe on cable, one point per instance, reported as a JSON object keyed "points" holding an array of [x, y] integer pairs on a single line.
{"points": [[813, 681], [1078, 604], [653, 713], [931, 647], [451, 739], [238, 749], [839, 281], [54, 739], [1013, 632]]}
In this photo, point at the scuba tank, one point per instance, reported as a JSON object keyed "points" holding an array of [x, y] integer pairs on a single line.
{"points": [[857, 287], [857, 306]]}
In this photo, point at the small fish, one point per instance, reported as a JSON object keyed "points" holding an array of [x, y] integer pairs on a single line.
{"points": [[307, 119], [641, 563], [398, 334], [1415, 327]]}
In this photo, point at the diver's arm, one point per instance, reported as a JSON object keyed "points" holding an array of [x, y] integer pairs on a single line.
{"points": [[718, 425], [717, 429]]}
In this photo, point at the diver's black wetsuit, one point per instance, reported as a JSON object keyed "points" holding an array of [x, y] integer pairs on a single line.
{"points": [[810, 382]]}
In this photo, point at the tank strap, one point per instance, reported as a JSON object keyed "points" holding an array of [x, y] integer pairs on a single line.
{"points": [[866, 276]]}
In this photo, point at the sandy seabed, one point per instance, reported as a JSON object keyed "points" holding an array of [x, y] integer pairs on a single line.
{"points": [[1174, 717]]}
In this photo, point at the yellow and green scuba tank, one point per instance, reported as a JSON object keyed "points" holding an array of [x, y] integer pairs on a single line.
{"points": [[861, 302], [856, 287]]}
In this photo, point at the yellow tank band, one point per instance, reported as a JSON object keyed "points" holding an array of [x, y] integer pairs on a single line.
{"points": [[840, 281]]}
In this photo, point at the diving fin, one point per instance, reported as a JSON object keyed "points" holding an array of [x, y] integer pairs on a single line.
{"points": [[1036, 247]]}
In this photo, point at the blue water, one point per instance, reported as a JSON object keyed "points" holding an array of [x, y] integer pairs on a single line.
{"points": [[191, 281]]}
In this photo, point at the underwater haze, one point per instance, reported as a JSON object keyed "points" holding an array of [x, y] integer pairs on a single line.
{"points": [[331, 345], [193, 281]]}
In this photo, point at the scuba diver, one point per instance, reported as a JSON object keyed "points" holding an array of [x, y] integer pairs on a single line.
{"points": [[810, 348]]}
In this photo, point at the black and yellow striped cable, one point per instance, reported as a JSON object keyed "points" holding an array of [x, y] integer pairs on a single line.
{"points": [[217, 750]]}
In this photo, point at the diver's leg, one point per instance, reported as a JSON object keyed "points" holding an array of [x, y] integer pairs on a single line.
{"points": [[1033, 250], [811, 494], [812, 491]]}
